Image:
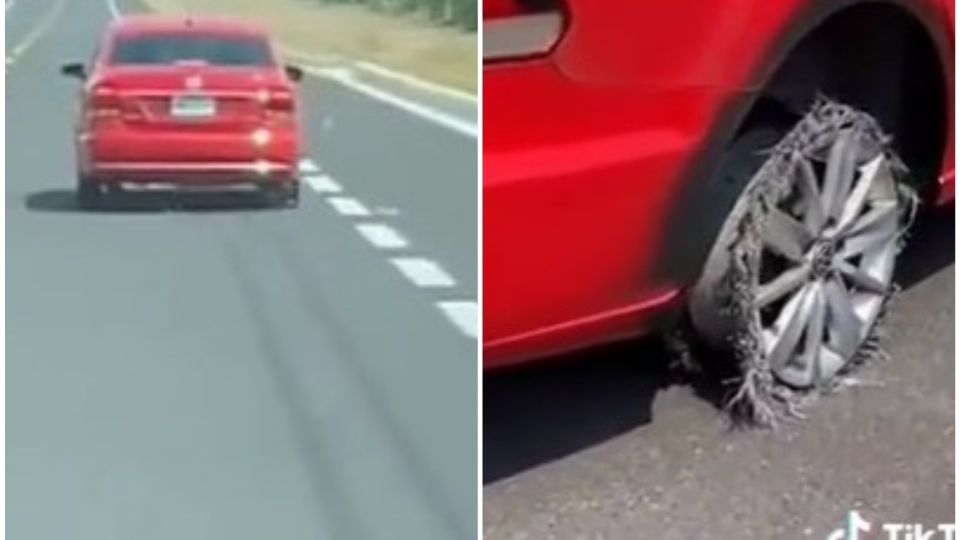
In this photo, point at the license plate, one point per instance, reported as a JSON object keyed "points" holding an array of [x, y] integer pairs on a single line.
{"points": [[192, 107]]}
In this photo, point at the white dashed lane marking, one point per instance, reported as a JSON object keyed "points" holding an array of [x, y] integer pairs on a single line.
{"points": [[382, 236], [423, 272], [463, 315], [348, 206], [308, 166], [323, 184]]}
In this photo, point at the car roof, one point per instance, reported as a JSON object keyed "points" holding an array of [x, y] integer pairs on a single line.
{"points": [[132, 25]]}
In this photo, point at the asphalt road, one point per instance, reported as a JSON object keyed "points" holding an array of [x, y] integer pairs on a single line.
{"points": [[609, 444], [228, 372]]}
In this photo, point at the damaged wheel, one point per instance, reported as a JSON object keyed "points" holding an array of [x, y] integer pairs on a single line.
{"points": [[803, 266]]}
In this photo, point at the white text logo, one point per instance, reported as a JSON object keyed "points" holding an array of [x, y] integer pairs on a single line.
{"points": [[856, 525]]}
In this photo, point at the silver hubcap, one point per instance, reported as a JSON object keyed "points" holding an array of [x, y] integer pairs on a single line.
{"points": [[827, 262]]}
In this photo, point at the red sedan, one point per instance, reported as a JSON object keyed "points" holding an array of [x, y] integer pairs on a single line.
{"points": [[745, 169], [185, 103]]}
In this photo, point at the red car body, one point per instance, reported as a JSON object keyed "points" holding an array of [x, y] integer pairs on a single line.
{"points": [[601, 133], [243, 127]]}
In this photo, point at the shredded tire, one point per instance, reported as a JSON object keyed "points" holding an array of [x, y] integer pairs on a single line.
{"points": [[759, 398]]}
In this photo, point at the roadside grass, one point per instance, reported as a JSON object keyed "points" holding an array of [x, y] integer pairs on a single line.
{"points": [[332, 33]]}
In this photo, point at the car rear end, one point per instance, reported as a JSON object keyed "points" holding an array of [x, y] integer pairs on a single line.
{"points": [[189, 107]]}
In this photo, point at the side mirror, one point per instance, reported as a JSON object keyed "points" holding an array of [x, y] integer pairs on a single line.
{"points": [[293, 72], [74, 69]]}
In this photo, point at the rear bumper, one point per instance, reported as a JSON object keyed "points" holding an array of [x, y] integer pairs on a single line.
{"points": [[118, 152], [215, 173]]}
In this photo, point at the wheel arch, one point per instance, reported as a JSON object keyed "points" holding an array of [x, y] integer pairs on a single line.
{"points": [[705, 200]]}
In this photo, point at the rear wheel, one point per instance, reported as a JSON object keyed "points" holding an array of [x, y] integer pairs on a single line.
{"points": [[803, 265], [90, 193], [284, 196]]}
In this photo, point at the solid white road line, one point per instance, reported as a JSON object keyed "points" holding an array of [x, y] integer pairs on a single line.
{"points": [[345, 77], [382, 236], [462, 314], [376, 69], [348, 206], [423, 272], [412, 80], [114, 11], [308, 166], [322, 184], [37, 32]]}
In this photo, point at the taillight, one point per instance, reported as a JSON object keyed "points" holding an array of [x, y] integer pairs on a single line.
{"points": [[103, 102], [520, 28], [279, 104]]}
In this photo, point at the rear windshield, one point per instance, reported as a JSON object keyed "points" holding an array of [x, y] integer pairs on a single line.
{"points": [[174, 48]]}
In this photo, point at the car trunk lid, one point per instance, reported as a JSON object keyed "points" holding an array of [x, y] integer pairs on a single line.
{"points": [[193, 97]]}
